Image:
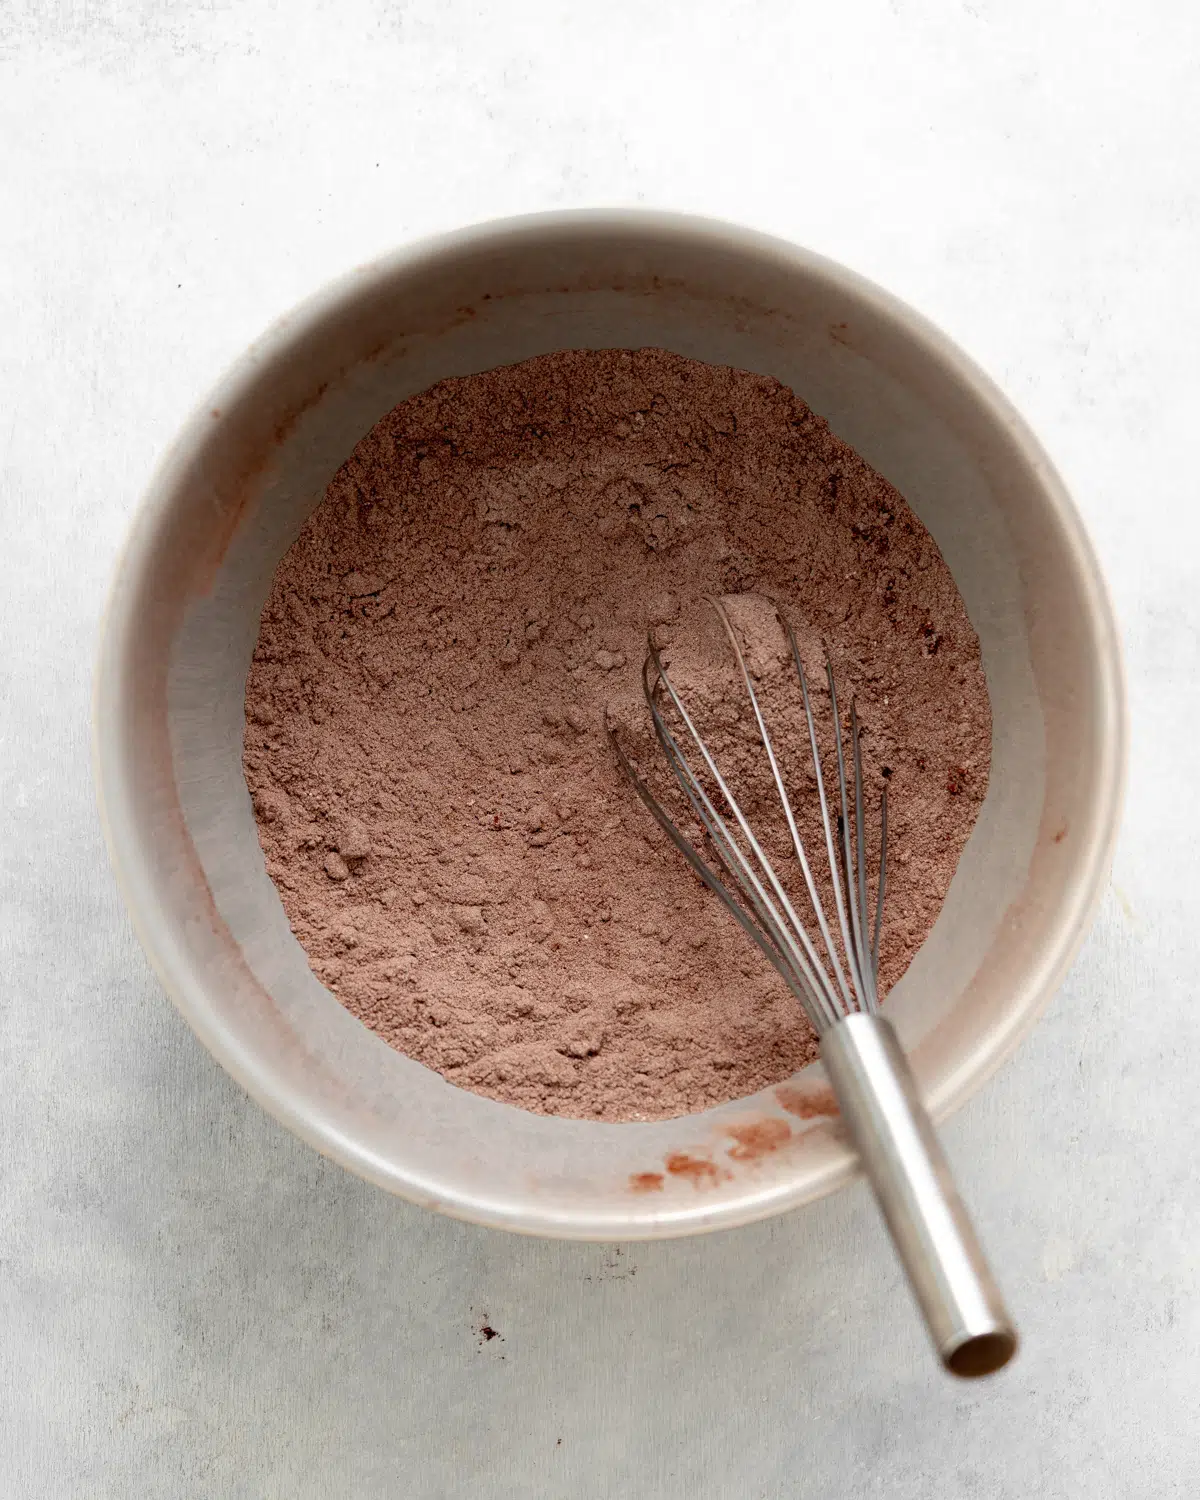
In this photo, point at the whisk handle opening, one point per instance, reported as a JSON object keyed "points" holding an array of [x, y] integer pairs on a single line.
{"points": [[903, 1159]]}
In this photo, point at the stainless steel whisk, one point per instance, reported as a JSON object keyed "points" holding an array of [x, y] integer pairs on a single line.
{"points": [[876, 1092]]}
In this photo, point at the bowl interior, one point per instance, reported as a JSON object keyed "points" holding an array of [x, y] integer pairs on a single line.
{"points": [[256, 459]]}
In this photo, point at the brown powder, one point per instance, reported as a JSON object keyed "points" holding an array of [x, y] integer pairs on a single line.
{"points": [[454, 845]]}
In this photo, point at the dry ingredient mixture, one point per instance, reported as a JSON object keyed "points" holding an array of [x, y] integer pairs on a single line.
{"points": [[453, 842]]}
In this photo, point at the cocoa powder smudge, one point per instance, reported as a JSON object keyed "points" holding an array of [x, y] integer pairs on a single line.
{"points": [[452, 842]]}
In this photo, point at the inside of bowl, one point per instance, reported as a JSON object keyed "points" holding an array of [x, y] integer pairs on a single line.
{"points": [[257, 461]]}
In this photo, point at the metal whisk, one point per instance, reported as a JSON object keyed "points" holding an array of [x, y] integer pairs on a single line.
{"points": [[876, 1092]]}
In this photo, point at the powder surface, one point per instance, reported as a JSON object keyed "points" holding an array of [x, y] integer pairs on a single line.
{"points": [[453, 842]]}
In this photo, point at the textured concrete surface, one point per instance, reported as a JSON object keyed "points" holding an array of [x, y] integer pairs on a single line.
{"points": [[191, 1303]]}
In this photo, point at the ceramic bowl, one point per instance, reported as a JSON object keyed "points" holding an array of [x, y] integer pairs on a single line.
{"points": [[253, 462]]}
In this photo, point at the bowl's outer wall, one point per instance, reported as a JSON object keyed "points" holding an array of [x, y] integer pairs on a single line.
{"points": [[248, 470]]}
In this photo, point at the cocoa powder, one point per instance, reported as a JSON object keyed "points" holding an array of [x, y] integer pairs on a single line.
{"points": [[438, 804]]}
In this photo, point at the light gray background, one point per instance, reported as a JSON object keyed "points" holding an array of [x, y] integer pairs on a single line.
{"points": [[193, 1304]]}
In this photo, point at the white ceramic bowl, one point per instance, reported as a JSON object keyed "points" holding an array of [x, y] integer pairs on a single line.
{"points": [[250, 466]]}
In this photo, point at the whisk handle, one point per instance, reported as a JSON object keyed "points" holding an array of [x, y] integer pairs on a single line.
{"points": [[901, 1155]]}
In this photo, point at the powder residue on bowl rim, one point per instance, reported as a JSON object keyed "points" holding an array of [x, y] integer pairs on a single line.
{"points": [[453, 843]]}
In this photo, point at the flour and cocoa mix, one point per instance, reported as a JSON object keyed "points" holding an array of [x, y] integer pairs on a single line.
{"points": [[453, 842]]}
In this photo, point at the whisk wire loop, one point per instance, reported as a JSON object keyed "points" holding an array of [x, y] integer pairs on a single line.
{"points": [[783, 926], [752, 889], [780, 787]]}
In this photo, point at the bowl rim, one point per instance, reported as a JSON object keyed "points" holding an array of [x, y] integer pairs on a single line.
{"points": [[338, 295]]}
